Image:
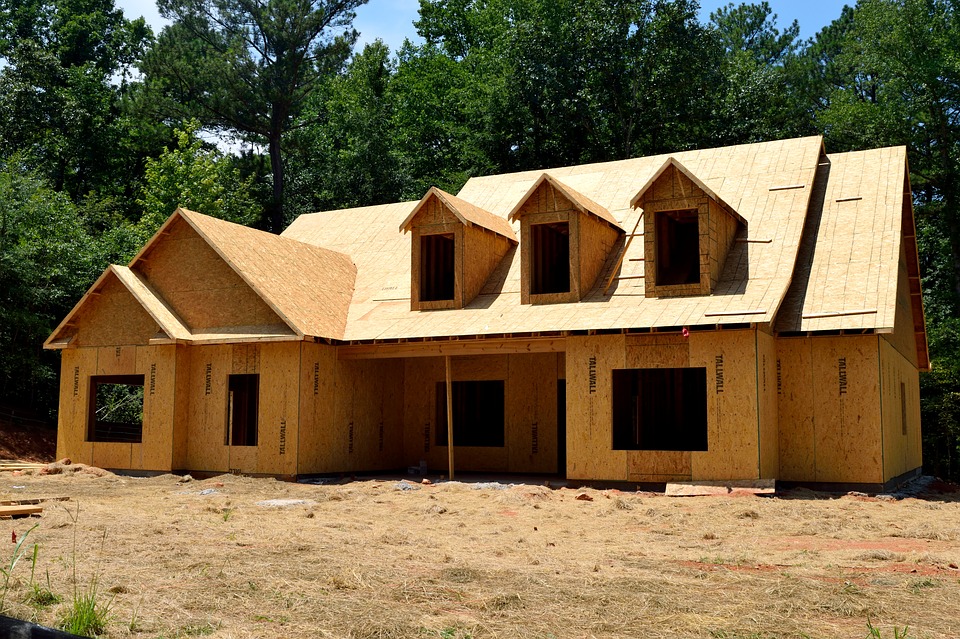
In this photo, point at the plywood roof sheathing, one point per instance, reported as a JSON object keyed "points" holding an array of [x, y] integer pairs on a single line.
{"points": [[467, 213]]}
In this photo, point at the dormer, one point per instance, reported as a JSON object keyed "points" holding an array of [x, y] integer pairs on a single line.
{"points": [[565, 240], [687, 231], [454, 248]]}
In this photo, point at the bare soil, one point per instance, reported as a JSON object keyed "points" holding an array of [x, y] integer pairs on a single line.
{"points": [[395, 558], [27, 443]]}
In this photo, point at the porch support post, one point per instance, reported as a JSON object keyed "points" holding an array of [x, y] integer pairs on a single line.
{"points": [[449, 417]]}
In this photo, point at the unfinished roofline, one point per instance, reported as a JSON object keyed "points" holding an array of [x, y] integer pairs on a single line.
{"points": [[576, 198], [52, 342], [908, 233], [503, 343], [672, 161], [173, 326], [455, 204], [185, 214]]}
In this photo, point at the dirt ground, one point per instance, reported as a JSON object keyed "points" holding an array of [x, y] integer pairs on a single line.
{"points": [[395, 558]]}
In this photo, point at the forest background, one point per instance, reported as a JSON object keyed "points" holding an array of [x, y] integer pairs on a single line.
{"points": [[105, 126]]}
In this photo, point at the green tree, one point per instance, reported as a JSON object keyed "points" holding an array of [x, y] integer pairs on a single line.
{"points": [[346, 155], [248, 67], [195, 176], [47, 260], [758, 97], [573, 81], [61, 88]]}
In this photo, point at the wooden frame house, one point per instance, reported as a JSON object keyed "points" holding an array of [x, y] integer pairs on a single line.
{"points": [[740, 313]]}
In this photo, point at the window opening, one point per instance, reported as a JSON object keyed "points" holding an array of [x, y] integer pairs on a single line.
{"points": [[243, 399], [551, 258], [436, 267], [477, 413], [116, 409], [678, 247], [660, 409]]}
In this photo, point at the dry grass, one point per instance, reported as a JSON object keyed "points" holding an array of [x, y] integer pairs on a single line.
{"points": [[381, 559]]}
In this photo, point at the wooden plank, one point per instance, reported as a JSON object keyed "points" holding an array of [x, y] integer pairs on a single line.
{"points": [[482, 346], [19, 511], [451, 444], [710, 488]]}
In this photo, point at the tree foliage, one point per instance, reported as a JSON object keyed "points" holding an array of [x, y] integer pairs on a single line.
{"points": [[47, 261], [61, 90], [248, 67], [195, 176]]}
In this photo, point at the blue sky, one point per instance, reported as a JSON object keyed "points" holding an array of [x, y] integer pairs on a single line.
{"points": [[392, 20]]}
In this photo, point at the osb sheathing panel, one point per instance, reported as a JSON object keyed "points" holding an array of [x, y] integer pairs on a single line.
{"points": [[846, 385], [589, 361], [795, 399], [367, 432], [315, 302], [482, 253], [657, 351], [98, 320], [849, 281], [767, 400], [279, 368], [596, 240], [901, 445], [209, 368], [531, 413], [182, 407], [450, 227], [199, 286], [723, 232], [317, 405], [530, 407], [119, 360], [76, 367], [526, 255], [157, 365], [830, 409], [730, 358]]}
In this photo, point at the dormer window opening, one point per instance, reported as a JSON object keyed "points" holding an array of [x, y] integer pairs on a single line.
{"points": [[678, 247], [551, 258], [437, 272]]}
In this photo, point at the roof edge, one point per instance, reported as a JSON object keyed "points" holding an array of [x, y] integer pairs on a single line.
{"points": [[581, 202], [672, 161]]}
